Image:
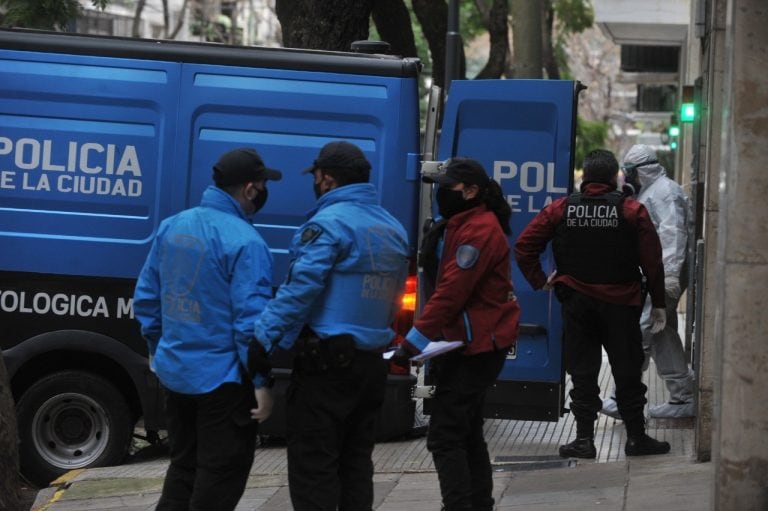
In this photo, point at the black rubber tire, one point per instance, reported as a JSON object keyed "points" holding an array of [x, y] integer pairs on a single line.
{"points": [[70, 420]]}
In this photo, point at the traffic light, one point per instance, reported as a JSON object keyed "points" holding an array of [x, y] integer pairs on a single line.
{"points": [[673, 131], [687, 112], [688, 107]]}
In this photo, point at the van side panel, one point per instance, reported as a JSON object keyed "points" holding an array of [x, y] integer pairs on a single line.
{"points": [[288, 116], [86, 161], [103, 138]]}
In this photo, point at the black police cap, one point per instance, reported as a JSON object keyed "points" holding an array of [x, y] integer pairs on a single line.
{"points": [[242, 165], [340, 155]]}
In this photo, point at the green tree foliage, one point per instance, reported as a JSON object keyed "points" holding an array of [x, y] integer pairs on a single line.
{"points": [[42, 14], [589, 135], [573, 17]]}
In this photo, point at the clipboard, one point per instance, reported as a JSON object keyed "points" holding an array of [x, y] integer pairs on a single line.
{"points": [[436, 348]]}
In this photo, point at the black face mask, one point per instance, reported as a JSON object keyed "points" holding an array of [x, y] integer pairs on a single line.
{"points": [[260, 199], [631, 180], [450, 202], [318, 192]]}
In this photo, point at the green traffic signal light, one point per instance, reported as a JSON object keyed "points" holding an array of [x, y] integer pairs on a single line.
{"points": [[673, 145], [687, 112], [674, 131]]}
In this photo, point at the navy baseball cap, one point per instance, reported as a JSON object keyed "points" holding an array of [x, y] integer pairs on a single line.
{"points": [[242, 165], [340, 155]]}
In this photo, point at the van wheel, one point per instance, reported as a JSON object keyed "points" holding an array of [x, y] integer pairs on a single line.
{"points": [[70, 420]]}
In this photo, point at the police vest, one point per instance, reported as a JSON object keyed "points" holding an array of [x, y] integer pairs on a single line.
{"points": [[594, 243]]}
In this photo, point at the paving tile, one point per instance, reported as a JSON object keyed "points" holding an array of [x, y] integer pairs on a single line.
{"points": [[405, 480]]}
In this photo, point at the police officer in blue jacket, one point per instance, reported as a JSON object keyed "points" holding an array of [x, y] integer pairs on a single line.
{"points": [[207, 276], [335, 310]]}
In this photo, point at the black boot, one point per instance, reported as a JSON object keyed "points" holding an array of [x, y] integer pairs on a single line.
{"points": [[579, 448], [644, 445]]}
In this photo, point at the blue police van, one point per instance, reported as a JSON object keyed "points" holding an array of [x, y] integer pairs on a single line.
{"points": [[102, 138]]}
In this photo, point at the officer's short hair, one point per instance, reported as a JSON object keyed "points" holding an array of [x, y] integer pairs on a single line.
{"points": [[600, 166]]}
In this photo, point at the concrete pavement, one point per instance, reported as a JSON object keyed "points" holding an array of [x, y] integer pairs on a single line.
{"points": [[528, 473], [669, 483]]}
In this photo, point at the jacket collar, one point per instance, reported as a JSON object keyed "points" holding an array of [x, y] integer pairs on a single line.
{"points": [[593, 188], [216, 198], [460, 218], [364, 193]]}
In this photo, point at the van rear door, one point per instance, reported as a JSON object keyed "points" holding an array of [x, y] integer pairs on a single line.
{"points": [[523, 132]]}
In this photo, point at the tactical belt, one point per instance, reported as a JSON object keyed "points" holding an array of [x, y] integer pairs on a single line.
{"points": [[320, 355]]}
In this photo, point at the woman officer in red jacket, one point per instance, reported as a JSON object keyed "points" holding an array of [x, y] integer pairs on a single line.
{"points": [[469, 256]]}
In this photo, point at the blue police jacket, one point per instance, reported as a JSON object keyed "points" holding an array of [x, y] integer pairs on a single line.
{"points": [[206, 278], [348, 269]]}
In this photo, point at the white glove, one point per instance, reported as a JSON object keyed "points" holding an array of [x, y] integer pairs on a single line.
{"points": [[658, 320], [548, 285], [672, 286], [263, 404]]}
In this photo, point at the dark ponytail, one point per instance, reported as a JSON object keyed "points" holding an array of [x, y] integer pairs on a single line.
{"points": [[496, 202]]}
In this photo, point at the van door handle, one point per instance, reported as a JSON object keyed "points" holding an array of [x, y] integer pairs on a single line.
{"points": [[533, 330]]}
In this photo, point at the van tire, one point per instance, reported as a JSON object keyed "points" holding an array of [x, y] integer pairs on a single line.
{"points": [[70, 420]]}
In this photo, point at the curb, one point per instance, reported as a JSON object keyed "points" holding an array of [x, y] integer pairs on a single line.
{"points": [[46, 497]]}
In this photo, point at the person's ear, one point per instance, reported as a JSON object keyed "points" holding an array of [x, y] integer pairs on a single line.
{"points": [[329, 181], [250, 191]]}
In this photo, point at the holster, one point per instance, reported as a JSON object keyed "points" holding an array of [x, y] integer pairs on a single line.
{"points": [[320, 355]]}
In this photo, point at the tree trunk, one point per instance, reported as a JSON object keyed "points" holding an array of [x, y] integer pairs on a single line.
{"points": [[526, 36], [180, 21], [135, 32], [497, 29], [433, 18], [393, 23], [323, 25], [547, 42], [166, 20], [10, 497]]}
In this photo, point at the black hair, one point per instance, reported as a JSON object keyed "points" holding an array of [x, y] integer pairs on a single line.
{"points": [[230, 189], [600, 166], [495, 201], [347, 176]]}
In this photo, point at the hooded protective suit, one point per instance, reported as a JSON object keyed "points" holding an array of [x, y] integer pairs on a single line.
{"points": [[668, 206]]}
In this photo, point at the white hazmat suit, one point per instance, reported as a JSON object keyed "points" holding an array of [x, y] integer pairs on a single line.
{"points": [[668, 206]]}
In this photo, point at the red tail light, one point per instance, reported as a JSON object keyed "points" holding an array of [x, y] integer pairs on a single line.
{"points": [[404, 319], [409, 298]]}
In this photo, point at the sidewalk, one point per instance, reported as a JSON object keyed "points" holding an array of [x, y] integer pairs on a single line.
{"points": [[529, 475], [666, 483]]}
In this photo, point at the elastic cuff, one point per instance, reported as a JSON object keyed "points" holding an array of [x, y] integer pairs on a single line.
{"points": [[417, 339], [259, 381]]}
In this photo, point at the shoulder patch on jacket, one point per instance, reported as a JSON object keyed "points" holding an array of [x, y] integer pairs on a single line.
{"points": [[310, 234], [466, 256]]}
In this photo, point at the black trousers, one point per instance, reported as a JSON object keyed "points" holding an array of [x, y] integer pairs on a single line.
{"points": [[331, 419], [589, 325], [212, 441], [455, 436]]}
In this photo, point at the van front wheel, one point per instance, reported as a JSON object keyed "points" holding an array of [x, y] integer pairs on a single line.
{"points": [[70, 420]]}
